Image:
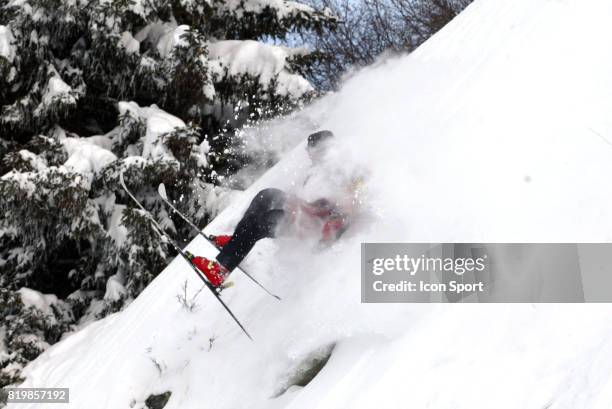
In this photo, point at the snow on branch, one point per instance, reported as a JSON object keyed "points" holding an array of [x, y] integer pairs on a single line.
{"points": [[267, 63]]}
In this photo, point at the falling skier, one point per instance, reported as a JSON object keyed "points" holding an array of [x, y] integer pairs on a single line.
{"points": [[273, 212]]}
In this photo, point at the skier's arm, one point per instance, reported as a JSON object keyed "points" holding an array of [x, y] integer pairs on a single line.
{"points": [[334, 227], [321, 208], [340, 217]]}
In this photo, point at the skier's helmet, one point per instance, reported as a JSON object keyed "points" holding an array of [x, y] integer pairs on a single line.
{"points": [[316, 145], [316, 139]]}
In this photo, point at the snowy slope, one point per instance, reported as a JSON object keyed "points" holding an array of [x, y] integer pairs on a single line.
{"points": [[496, 129]]}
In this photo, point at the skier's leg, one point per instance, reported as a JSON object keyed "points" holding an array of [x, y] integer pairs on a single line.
{"points": [[267, 199], [259, 221], [246, 235]]}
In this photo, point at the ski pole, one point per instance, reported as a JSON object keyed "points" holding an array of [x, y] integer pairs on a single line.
{"points": [[162, 193]]}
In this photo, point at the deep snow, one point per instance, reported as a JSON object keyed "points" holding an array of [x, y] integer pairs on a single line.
{"points": [[497, 129]]}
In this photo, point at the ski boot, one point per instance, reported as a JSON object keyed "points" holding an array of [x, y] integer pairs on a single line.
{"points": [[219, 241], [214, 272]]}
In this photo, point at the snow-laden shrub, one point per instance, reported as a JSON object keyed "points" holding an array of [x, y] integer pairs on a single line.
{"points": [[31, 322]]}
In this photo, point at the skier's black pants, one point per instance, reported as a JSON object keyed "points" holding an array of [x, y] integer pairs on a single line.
{"points": [[259, 221]]}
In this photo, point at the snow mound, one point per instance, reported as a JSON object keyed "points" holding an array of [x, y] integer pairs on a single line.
{"points": [[494, 130]]}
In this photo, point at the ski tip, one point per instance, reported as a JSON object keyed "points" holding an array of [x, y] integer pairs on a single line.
{"points": [[161, 189]]}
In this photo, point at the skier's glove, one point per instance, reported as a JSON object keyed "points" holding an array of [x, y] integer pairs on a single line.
{"points": [[333, 228]]}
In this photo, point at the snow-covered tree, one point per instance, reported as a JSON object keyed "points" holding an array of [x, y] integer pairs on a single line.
{"points": [[154, 89], [371, 28], [31, 321]]}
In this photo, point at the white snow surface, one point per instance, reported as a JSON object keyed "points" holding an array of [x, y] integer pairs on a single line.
{"points": [[496, 130]]}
